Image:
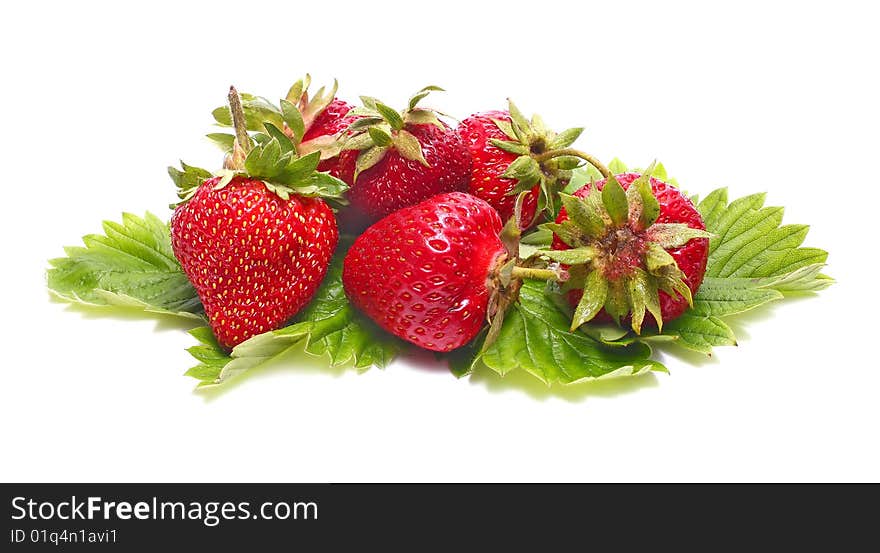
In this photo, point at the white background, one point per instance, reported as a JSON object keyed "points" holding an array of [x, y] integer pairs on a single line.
{"points": [[97, 99]]}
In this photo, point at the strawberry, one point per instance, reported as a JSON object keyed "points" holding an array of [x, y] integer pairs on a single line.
{"points": [[491, 163], [311, 123], [256, 240], [633, 243], [330, 123], [517, 160], [434, 272], [393, 159]]}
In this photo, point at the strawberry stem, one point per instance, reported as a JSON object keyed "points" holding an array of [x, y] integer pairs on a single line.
{"points": [[238, 121], [539, 274], [574, 153]]}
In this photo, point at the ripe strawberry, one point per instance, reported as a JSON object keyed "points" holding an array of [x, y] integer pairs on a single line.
{"points": [[432, 273], [330, 123], [518, 160], [633, 243], [312, 123], [254, 259], [256, 241], [491, 163], [395, 159]]}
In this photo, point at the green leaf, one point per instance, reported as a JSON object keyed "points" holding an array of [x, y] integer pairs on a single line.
{"points": [[535, 337], [804, 279], [728, 296], [329, 327], [130, 265], [700, 332], [749, 241]]}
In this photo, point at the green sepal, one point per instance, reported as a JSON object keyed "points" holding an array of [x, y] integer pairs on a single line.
{"points": [[574, 256], [509, 146], [257, 110], [526, 171], [381, 128], [418, 96], [617, 167], [630, 290], [518, 122], [275, 162], [585, 214], [423, 117], [379, 136], [567, 231], [565, 139], [642, 296], [643, 206], [187, 180], [293, 119], [595, 292], [368, 158], [222, 140], [390, 115], [294, 114], [674, 235], [506, 128], [614, 200], [409, 146], [616, 303], [297, 89]]}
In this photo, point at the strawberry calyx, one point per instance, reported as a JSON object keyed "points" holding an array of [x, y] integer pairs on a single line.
{"points": [[382, 128], [294, 116], [618, 254], [268, 156], [546, 158], [506, 276]]}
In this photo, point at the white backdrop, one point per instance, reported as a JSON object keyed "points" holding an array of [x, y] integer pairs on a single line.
{"points": [[97, 99]]}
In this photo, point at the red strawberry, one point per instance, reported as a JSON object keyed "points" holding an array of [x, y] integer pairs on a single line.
{"points": [[517, 159], [312, 123], [254, 259], [330, 123], [395, 159], [331, 120], [490, 163], [633, 244], [432, 273], [254, 246]]}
